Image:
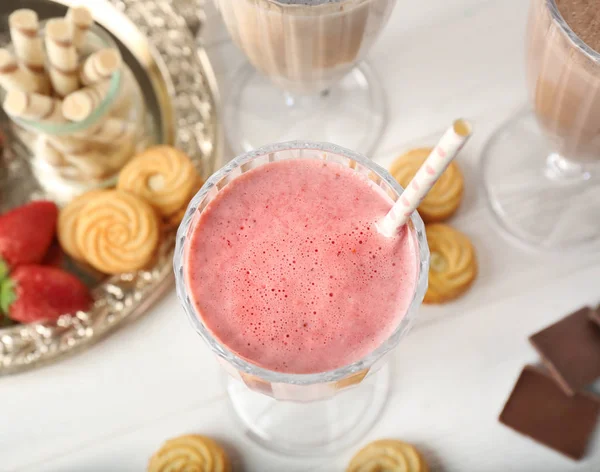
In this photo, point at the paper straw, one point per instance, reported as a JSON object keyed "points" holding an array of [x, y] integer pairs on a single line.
{"points": [[428, 174]]}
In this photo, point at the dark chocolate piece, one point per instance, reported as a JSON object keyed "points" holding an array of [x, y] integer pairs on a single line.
{"points": [[595, 315], [538, 408], [570, 349]]}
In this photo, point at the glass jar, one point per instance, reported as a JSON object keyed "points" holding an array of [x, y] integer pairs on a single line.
{"points": [[70, 158]]}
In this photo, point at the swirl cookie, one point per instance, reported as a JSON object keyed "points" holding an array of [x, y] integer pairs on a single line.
{"points": [[67, 223], [191, 453], [453, 264], [445, 196], [174, 220], [117, 232], [388, 455], [161, 175]]}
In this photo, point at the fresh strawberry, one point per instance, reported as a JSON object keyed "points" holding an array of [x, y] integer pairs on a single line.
{"points": [[55, 256], [26, 233], [39, 293]]}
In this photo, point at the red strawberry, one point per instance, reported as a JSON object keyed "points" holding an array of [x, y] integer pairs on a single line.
{"points": [[54, 257], [40, 293], [26, 233]]}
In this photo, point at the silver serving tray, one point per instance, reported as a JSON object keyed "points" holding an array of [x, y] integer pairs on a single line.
{"points": [[181, 97]]}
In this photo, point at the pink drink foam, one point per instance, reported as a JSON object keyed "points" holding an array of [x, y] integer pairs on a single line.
{"points": [[286, 269]]}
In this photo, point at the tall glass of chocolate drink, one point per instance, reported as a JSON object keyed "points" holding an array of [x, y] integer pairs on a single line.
{"points": [[542, 169], [303, 80]]}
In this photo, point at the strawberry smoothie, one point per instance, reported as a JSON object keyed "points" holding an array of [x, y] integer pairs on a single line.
{"points": [[286, 268]]}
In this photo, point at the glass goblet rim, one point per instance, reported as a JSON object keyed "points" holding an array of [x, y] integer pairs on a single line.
{"points": [[245, 367], [575, 40]]}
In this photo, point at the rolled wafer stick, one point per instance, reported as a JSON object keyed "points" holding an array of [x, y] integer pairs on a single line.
{"points": [[110, 131], [78, 105], [72, 173], [24, 33], [33, 106], [98, 164], [69, 145], [62, 57], [119, 155], [13, 77], [100, 66], [89, 164], [80, 20], [46, 151], [42, 81]]}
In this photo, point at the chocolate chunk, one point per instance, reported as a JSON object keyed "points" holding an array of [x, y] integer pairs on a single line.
{"points": [[570, 349], [595, 315], [538, 408]]}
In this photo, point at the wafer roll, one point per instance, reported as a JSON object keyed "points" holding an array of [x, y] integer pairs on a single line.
{"points": [[62, 57], [41, 79], [110, 131], [13, 77], [24, 33], [89, 164], [42, 82], [69, 145], [44, 150], [99, 164], [100, 66], [119, 156], [80, 20], [78, 105], [71, 173], [33, 106]]}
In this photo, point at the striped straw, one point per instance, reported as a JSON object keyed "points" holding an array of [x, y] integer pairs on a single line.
{"points": [[432, 169]]}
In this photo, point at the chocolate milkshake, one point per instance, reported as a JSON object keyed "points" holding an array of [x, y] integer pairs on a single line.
{"points": [[563, 66], [304, 46]]}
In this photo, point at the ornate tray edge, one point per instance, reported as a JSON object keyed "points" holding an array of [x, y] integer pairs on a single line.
{"points": [[124, 298]]}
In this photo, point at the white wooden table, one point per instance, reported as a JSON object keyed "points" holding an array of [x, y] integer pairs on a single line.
{"points": [[109, 408]]}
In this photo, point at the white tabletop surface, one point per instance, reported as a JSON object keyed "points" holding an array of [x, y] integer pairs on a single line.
{"points": [[109, 408]]}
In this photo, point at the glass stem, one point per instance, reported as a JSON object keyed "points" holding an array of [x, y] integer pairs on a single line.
{"points": [[290, 99], [560, 168]]}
